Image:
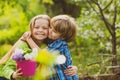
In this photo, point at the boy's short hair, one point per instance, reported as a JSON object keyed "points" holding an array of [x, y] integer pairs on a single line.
{"points": [[64, 25], [44, 16]]}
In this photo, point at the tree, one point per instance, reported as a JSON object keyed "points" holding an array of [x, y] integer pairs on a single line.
{"points": [[103, 8], [62, 7]]}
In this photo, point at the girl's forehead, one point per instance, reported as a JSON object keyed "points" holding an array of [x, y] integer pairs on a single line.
{"points": [[41, 22]]}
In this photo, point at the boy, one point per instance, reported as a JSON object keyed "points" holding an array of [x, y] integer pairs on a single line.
{"points": [[62, 30]]}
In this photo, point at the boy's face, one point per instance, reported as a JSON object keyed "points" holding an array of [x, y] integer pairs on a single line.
{"points": [[40, 29], [53, 34]]}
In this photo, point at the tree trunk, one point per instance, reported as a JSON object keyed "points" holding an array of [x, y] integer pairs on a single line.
{"points": [[114, 60], [63, 7]]}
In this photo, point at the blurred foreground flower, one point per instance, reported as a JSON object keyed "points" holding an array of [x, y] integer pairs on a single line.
{"points": [[45, 57], [47, 60]]}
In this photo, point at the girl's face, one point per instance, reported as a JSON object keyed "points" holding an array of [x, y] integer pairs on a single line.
{"points": [[53, 34], [40, 29]]}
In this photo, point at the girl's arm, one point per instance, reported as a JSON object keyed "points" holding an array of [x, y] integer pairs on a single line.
{"points": [[9, 70], [7, 56], [10, 65]]}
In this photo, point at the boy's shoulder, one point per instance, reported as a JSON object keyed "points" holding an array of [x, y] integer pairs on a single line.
{"points": [[58, 42]]}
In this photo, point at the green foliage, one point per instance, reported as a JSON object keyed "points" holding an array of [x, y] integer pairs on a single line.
{"points": [[92, 38], [15, 17], [4, 49], [48, 1]]}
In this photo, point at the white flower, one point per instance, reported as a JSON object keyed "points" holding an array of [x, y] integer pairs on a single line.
{"points": [[28, 56], [31, 55], [17, 50], [34, 52], [60, 59]]}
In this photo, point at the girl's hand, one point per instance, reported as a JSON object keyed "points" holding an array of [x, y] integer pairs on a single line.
{"points": [[26, 36], [17, 74], [71, 70]]}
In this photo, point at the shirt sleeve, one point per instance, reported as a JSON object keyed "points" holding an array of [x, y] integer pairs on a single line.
{"points": [[9, 68], [65, 51], [68, 56]]}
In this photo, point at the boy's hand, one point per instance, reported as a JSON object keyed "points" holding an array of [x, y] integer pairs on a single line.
{"points": [[26, 36], [17, 74], [71, 70]]}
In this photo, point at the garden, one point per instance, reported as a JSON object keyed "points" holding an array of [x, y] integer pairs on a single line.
{"points": [[96, 48]]}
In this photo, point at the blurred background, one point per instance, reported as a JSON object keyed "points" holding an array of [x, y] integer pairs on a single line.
{"points": [[97, 43]]}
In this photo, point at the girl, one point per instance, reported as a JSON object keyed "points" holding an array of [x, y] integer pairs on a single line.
{"points": [[39, 31]]}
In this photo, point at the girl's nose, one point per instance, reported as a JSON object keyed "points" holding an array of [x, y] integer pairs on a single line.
{"points": [[40, 29]]}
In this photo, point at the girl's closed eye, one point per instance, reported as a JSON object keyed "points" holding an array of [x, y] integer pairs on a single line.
{"points": [[37, 27], [50, 27], [45, 27]]}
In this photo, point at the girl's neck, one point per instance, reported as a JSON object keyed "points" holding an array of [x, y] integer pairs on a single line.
{"points": [[38, 42]]}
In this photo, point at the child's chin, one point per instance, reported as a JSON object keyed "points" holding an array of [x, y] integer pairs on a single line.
{"points": [[41, 38], [49, 37]]}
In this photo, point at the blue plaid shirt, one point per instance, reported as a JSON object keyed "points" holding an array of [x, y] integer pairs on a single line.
{"points": [[62, 47]]}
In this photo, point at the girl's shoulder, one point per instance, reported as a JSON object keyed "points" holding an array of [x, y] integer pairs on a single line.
{"points": [[22, 44], [25, 47]]}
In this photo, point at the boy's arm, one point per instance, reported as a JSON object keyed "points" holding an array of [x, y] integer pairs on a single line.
{"points": [[32, 44], [71, 70], [27, 37], [68, 56]]}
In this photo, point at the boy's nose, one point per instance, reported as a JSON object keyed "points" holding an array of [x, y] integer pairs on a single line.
{"points": [[50, 30]]}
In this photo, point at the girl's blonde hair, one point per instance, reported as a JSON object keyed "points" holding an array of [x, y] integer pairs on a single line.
{"points": [[32, 22], [4, 59], [64, 25]]}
